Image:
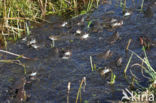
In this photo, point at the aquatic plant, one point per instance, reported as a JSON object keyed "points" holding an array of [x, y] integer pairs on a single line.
{"points": [[97, 2], [53, 43], [148, 69], [82, 85], [93, 66], [113, 77], [123, 5], [89, 23], [128, 44], [142, 5], [145, 67], [89, 6], [125, 70]]}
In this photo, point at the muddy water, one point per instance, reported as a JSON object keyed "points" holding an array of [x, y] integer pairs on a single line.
{"points": [[54, 72]]}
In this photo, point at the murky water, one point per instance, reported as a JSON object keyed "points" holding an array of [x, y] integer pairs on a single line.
{"points": [[54, 72]]}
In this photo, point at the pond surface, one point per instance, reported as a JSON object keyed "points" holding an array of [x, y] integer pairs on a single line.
{"points": [[54, 71]]}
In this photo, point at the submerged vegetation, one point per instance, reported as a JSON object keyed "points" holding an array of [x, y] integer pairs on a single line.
{"points": [[17, 15]]}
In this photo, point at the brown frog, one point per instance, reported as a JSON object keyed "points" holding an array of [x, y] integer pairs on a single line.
{"points": [[97, 27], [105, 55], [21, 95], [147, 42], [105, 72], [20, 83], [18, 90], [148, 12], [112, 39], [119, 61]]}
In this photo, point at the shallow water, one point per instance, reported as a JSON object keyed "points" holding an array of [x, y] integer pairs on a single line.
{"points": [[54, 73]]}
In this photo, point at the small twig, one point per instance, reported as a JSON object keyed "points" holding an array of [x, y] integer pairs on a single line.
{"points": [[13, 28], [68, 91], [16, 18], [91, 63], [128, 44], [7, 52]]}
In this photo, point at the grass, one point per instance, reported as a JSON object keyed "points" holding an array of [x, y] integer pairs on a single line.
{"points": [[125, 70], [89, 23], [82, 85], [93, 66], [145, 67], [142, 5], [124, 7], [17, 15], [113, 77]]}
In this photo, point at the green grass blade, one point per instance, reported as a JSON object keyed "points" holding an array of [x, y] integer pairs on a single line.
{"points": [[125, 70]]}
